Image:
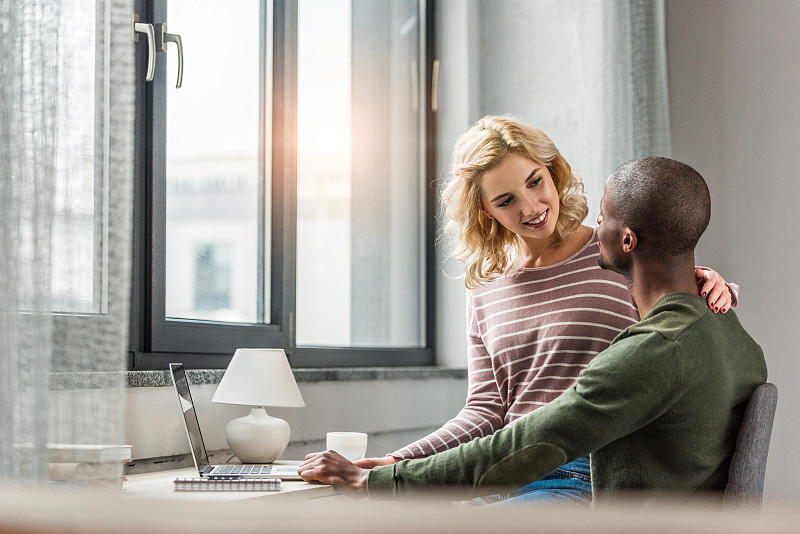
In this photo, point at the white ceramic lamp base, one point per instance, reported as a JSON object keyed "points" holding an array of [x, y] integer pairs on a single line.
{"points": [[257, 438]]}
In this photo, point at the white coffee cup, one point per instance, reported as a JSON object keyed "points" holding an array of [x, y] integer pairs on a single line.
{"points": [[351, 445]]}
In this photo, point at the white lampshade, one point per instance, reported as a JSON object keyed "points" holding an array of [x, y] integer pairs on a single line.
{"points": [[258, 377]]}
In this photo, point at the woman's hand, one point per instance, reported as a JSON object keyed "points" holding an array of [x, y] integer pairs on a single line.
{"points": [[713, 289], [369, 463]]}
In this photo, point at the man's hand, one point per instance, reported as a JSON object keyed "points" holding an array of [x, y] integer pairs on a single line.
{"points": [[330, 467], [369, 463], [713, 289]]}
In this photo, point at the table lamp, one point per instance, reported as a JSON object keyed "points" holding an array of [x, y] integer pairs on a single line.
{"points": [[258, 377]]}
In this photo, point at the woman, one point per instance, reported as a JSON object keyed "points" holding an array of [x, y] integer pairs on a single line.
{"points": [[539, 305]]}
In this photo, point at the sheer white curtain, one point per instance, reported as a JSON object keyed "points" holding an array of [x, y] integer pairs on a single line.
{"points": [[66, 167]]}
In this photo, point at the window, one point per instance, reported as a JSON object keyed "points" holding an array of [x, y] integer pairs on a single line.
{"points": [[284, 198], [360, 202]]}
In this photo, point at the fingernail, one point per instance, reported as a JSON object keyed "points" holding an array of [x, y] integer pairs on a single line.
{"points": [[704, 294]]}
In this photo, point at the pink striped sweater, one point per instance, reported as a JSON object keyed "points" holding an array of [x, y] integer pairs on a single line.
{"points": [[528, 338]]}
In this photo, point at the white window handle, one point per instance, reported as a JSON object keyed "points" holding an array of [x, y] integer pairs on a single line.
{"points": [[143, 27]]}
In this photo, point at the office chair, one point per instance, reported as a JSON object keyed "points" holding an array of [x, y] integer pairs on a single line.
{"points": [[749, 462]]}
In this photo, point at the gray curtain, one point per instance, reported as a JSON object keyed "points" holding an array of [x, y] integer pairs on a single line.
{"points": [[592, 75], [66, 168]]}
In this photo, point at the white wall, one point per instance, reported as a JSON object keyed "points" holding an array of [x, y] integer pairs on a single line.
{"points": [[734, 74], [393, 412]]}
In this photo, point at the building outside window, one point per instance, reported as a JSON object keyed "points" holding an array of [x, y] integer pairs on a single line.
{"points": [[212, 280]]}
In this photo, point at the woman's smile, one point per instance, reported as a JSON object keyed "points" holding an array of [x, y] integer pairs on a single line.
{"points": [[538, 221]]}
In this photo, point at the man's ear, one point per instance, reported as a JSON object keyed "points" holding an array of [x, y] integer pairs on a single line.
{"points": [[629, 240]]}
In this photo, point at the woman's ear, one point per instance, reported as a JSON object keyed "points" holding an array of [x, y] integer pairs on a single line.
{"points": [[486, 212], [629, 240]]}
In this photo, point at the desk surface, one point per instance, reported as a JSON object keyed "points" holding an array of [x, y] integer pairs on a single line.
{"points": [[160, 485]]}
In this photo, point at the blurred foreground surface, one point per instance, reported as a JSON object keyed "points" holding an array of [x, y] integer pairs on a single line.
{"points": [[87, 511]]}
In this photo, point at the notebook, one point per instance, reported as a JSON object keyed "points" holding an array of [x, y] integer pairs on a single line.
{"points": [[227, 484], [286, 471]]}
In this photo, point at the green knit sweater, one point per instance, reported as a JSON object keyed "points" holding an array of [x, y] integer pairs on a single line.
{"points": [[659, 411]]}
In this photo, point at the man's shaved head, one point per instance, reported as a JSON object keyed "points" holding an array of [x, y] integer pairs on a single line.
{"points": [[664, 201]]}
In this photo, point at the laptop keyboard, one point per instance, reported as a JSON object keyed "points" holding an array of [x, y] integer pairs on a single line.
{"points": [[244, 470]]}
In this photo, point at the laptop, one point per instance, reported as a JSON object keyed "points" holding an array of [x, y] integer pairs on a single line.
{"points": [[286, 471]]}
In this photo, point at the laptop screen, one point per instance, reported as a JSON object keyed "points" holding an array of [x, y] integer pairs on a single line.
{"points": [[189, 415]]}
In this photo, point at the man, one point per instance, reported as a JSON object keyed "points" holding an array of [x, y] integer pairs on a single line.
{"points": [[658, 410]]}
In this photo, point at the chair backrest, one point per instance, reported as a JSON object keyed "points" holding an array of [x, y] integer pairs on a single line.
{"points": [[746, 475]]}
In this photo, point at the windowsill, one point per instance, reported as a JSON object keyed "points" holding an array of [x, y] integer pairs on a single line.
{"points": [[136, 379]]}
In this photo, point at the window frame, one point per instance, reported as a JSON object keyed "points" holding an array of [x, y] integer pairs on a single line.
{"points": [[156, 341]]}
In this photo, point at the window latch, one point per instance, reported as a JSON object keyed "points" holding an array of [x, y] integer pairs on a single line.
{"points": [[147, 29], [164, 38]]}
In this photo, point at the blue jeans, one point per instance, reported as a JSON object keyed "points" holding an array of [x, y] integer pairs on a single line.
{"points": [[569, 484]]}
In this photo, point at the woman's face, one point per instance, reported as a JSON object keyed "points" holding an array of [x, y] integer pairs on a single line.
{"points": [[522, 196]]}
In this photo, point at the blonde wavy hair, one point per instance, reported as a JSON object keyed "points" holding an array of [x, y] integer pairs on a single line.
{"points": [[486, 248]]}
